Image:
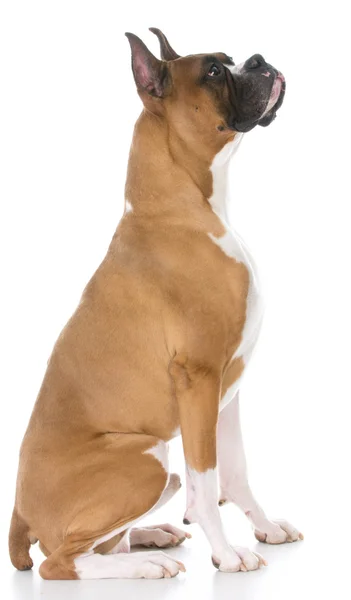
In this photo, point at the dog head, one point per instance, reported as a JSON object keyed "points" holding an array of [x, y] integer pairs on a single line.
{"points": [[205, 96]]}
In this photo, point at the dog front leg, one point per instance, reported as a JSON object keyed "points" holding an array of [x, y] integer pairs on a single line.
{"points": [[197, 390], [234, 486]]}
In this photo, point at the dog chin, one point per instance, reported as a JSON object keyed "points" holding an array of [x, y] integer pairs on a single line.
{"points": [[267, 118]]}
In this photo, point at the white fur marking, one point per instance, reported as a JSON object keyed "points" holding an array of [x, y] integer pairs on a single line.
{"points": [[219, 170], [129, 207], [160, 451], [150, 565], [158, 535], [203, 509], [234, 486], [233, 246]]}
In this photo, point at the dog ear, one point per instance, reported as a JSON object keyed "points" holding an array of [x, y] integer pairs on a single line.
{"points": [[167, 52], [151, 75]]}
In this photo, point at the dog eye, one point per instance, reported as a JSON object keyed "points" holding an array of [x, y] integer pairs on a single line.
{"points": [[214, 71]]}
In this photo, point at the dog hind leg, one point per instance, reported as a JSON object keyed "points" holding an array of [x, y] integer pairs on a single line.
{"points": [[130, 481], [154, 536]]}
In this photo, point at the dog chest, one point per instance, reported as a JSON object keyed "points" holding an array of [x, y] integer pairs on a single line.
{"points": [[234, 247]]}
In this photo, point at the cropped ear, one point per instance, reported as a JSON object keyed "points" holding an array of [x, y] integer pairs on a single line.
{"points": [[167, 52], [151, 75]]}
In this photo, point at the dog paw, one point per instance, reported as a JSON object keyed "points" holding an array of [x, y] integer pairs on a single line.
{"points": [[22, 561], [158, 536], [278, 532], [174, 535], [159, 565], [239, 559]]}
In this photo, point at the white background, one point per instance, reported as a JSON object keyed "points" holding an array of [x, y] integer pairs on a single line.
{"points": [[67, 108]]}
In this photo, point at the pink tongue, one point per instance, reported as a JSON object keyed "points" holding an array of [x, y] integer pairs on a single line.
{"points": [[275, 93]]}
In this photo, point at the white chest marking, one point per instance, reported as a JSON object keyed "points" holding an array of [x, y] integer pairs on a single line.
{"points": [[233, 246], [219, 170]]}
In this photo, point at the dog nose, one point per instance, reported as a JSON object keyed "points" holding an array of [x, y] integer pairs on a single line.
{"points": [[255, 62]]}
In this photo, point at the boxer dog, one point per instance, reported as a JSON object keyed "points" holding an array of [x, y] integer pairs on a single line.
{"points": [[157, 346]]}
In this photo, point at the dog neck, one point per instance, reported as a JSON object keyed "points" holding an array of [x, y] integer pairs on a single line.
{"points": [[219, 200], [170, 177]]}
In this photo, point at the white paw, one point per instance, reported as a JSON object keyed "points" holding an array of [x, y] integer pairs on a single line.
{"points": [[278, 532], [169, 535], [239, 559], [158, 565], [159, 536]]}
